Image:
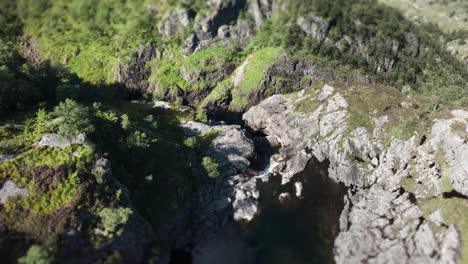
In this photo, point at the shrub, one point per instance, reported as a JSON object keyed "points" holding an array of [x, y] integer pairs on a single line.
{"points": [[36, 255], [211, 167], [202, 115], [191, 142], [40, 125], [75, 119], [111, 218], [138, 140]]}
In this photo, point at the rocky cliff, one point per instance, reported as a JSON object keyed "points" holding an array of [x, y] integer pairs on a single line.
{"points": [[405, 195]]}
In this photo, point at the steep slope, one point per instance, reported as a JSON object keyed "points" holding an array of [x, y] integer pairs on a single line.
{"points": [[406, 192], [193, 59]]}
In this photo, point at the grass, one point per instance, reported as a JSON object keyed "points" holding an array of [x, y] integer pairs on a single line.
{"points": [[253, 71], [208, 60]]}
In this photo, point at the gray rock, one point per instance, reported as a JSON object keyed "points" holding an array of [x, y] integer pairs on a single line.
{"points": [[7, 157], [54, 140], [261, 10], [380, 223], [9, 189], [450, 136], [174, 22], [314, 26], [192, 128]]}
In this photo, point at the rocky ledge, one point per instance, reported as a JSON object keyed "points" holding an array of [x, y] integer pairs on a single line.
{"points": [[231, 195], [404, 194]]}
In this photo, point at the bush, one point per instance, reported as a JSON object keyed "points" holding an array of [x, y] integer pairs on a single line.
{"points": [[111, 218], [36, 255], [138, 140], [75, 119], [202, 115], [211, 167]]}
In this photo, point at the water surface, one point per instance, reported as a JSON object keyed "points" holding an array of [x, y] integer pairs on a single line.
{"points": [[297, 231]]}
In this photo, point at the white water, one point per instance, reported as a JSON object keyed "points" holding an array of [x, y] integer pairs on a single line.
{"points": [[264, 174]]}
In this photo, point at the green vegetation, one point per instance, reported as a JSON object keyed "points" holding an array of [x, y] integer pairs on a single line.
{"points": [[444, 181], [73, 52], [112, 218], [250, 74], [74, 119], [50, 174], [36, 255], [211, 167]]}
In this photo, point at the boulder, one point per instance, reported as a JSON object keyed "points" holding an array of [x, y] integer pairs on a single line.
{"points": [[56, 141], [9, 189], [7, 157]]}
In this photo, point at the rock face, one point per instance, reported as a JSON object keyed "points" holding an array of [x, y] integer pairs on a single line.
{"points": [[381, 222], [174, 22], [132, 242], [232, 195], [54, 140], [10, 189], [134, 75], [232, 149]]}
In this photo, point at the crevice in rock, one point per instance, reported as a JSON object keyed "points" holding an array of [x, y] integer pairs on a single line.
{"points": [[412, 198], [360, 160], [454, 194], [421, 221], [423, 140]]}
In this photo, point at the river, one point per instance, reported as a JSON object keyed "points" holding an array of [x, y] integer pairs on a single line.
{"points": [[296, 231]]}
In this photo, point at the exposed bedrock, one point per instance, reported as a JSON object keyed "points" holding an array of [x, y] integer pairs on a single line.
{"points": [[231, 195], [385, 219]]}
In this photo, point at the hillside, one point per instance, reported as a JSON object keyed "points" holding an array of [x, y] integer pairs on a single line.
{"points": [[142, 131]]}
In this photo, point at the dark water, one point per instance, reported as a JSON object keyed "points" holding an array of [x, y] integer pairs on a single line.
{"points": [[299, 231]]}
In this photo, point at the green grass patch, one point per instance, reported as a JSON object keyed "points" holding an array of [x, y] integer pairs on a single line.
{"points": [[208, 60], [445, 182], [253, 71]]}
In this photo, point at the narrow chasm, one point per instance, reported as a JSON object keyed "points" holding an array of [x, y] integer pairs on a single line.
{"points": [[289, 228], [297, 229]]}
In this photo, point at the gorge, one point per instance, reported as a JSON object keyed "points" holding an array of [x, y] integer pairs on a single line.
{"points": [[233, 131]]}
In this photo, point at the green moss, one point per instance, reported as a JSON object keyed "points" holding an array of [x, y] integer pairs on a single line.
{"points": [[403, 130], [454, 212], [211, 167], [445, 182], [309, 103], [367, 101], [408, 184]]}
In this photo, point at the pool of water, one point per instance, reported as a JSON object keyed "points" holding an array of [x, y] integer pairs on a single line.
{"points": [[296, 231]]}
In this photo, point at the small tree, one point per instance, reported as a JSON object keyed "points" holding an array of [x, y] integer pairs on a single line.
{"points": [[211, 167], [36, 255], [75, 119]]}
